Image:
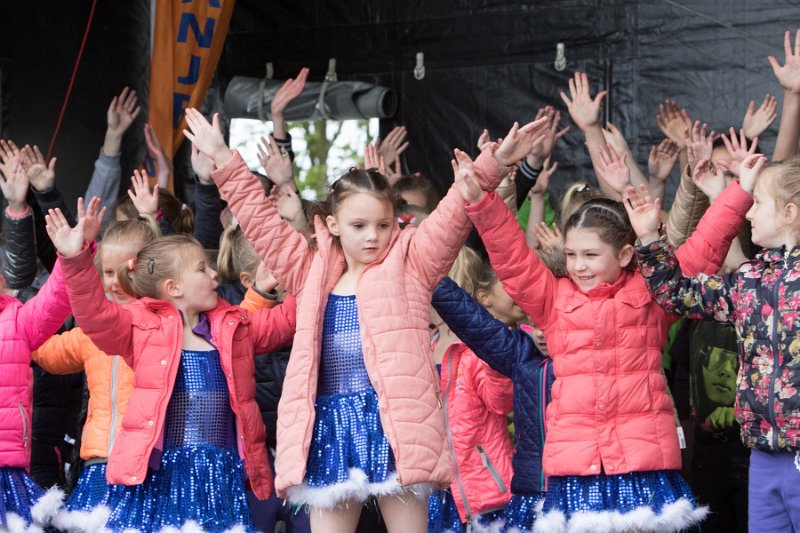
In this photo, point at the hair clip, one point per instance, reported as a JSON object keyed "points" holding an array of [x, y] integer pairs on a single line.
{"points": [[151, 265], [584, 188]]}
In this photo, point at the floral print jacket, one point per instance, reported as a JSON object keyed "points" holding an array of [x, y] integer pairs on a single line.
{"points": [[762, 301]]}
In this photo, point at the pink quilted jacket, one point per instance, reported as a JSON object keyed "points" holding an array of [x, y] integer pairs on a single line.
{"points": [[610, 410], [23, 328], [148, 334], [393, 296], [477, 400]]}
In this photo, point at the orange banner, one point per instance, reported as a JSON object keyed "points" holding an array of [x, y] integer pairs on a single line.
{"points": [[187, 41]]}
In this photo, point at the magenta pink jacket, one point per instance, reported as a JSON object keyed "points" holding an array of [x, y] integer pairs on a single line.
{"points": [[610, 410], [477, 400], [23, 328], [148, 335], [393, 296]]}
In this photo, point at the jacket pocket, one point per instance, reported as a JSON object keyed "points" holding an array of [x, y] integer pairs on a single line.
{"points": [[487, 464], [24, 425]]}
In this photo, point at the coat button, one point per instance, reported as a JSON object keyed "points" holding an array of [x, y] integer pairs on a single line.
{"points": [[602, 407], [230, 375], [230, 322], [149, 422], [133, 478], [171, 317], [163, 362], [611, 467], [593, 468]]}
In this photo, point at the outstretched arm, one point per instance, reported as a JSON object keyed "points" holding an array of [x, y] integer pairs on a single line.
{"points": [[788, 75], [489, 338]]}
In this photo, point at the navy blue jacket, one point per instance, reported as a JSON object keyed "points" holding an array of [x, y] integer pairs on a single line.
{"points": [[513, 354]]}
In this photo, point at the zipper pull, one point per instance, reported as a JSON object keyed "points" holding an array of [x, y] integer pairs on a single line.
{"points": [[439, 399]]}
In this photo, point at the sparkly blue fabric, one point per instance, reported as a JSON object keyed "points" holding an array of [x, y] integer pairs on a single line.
{"points": [[347, 430], [342, 367], [443, 514], [200, 476], [93, 489], [520, 512], [621, 492], [18, 492]]}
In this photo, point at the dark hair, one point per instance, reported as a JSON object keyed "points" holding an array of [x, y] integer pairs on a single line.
{"points": [[420, 184], [358, 180], [608, 218]]}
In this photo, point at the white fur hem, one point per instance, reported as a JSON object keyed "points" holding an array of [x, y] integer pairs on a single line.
{"points": [[93, 521], [189, 526], [673, 517], [47, 506], [356, 488]]}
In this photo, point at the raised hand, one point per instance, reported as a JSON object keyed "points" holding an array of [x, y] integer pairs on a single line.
{"points": [[644, 213], [265, 281], [465, 178], [15, 187], [484, 141], [788, 74], [661, 160], [749, 169], [373, 159], [207, 136], [756, 121], [122, 111], [737, 147], [673, 121], [145, 202], [276, 162], [613, 169], [709, 179], [68, 241], [699, 145], [543, 180], [394, 144], [157, 151], [547, 237], [288, 204], [41, 174], [584, 110], [202, 166], [287, 92], [9, 157], [520, 141], [551, 137], [92, 218]]}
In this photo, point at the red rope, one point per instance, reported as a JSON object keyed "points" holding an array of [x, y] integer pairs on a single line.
{"points": [[71, 81]]}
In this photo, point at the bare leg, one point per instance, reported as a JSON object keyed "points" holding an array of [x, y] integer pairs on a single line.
{"points": [[405, 513], [340, 519]]}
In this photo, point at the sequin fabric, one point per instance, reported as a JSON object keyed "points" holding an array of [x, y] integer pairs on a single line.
{"points": [[92, 489], [443, 516], [347, 430], [342, 367], [520, 512], [18, 492], [622, 493], [200, 476]]}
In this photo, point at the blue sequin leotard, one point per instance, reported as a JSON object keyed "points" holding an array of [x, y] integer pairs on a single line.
{"points": [[200, 476], [350, 458]]}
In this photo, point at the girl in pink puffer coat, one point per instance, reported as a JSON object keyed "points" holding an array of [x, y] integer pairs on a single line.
{"points": [[361, 412], [23, 328], [612, 454]]}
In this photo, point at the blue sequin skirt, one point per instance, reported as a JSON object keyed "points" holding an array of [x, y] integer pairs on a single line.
{"points": [[443, 516], [521, 511], [199, 483], [660, 500], [350, 458], [23, 501], [91, 501]]}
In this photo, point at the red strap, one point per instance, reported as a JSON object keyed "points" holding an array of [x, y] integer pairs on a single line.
{"points": [[71, 81]]}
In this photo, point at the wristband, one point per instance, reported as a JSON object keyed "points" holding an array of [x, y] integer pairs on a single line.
{"points": [[271, 295]]}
